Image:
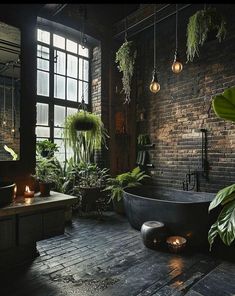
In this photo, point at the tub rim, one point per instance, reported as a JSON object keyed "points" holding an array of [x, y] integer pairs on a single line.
{"points": [[167, 201]]}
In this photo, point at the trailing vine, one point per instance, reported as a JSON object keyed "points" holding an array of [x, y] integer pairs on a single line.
{"points": [[125, 57], [200, 24]]}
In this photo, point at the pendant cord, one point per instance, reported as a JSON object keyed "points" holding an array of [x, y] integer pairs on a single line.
{"points": [[125, 29], [154, 37], [12, 97], [176, 28]]}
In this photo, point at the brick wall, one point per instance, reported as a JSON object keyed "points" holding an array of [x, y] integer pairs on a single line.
{"points": [[175, 115]]}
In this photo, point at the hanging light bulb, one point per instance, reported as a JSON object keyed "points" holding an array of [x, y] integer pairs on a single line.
{"points": [[154, 85], [177, 66]]}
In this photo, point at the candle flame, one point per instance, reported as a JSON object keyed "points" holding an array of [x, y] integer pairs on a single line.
{"points": [[27, 189], [176, 242], [15, 189]]}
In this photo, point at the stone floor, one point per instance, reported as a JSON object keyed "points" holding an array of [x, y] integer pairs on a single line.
{"points": [[107, 258]]}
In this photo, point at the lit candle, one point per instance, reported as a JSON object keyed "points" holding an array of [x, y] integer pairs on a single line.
{"points": [[28, 192], [176, 243], [15, 191]]}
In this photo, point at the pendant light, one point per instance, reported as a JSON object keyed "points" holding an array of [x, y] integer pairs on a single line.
{"points": [[12, 102], [154, 85], [177, 66]]}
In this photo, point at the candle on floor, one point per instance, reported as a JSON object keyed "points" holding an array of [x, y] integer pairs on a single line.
{"points": [[176, 243], [28, 193]]}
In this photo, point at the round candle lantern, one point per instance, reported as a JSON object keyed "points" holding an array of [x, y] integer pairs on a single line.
{"points": [[176, 243], [153, 234]]}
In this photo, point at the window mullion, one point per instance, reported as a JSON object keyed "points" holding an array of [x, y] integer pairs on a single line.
{"points": [[51, 92]]}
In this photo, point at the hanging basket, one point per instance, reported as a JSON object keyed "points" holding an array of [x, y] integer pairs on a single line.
{"points": [[83, 125]]}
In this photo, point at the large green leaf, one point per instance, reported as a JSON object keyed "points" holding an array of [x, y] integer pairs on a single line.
{"points": [[226, 223], [213, 232], [223, 196], [224, 105]]}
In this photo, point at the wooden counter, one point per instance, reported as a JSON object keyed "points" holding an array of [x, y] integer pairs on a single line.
{"points": [[26, 221]]}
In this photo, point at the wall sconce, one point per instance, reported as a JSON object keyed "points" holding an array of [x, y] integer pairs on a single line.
{"points": [[154, 85], [177, 66]]}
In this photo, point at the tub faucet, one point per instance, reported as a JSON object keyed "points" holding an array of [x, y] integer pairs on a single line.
{"points": [[191, 181]]}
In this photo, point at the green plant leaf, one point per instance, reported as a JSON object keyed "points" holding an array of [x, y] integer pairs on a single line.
{"points": [[12, 152], [224, 104], [213, 232], [223, 196], [226, 223]]}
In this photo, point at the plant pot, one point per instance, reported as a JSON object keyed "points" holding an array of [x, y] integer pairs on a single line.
{"points": [[6, 193], [118, 206], [45, 189], [89, 197], [83, 125]]}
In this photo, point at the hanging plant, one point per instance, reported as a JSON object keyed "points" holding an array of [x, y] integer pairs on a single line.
{"points": [[125, 57], [200, 24], [84, 142]]}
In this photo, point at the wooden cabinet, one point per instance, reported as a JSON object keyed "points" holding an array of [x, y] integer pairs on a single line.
{"points": [[37, 226], [7, 233]]}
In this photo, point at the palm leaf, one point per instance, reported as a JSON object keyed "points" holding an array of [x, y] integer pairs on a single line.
{"points": [[223, 196]]}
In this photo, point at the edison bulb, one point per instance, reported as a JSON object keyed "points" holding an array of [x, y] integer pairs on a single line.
{"points": [[4, 123], [177, 67], [13, 130], [154, 87]]}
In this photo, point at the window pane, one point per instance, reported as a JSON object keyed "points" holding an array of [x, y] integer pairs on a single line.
{"points": [[84, 91], [85, 64], [43, 36], [72, 66], [69, 153], [59, 64], [42, 114], [59, 115], [71, 46], [58, 41], [42, 64], [59, 87], [43, 52], [61, 153], [42, 131], [58, 132], [83, 51], [42, 83], [72, 89], [71, 111]]}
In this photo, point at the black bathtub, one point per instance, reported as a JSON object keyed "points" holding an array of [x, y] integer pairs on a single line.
{"points": [[184, 213]]}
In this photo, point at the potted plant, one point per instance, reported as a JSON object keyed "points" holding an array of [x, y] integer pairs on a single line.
{"points": [[46, 148], [224, 227], [87, 181], [200, 24], [84, 142], [116, 186], [125, 57], [46, 173]]}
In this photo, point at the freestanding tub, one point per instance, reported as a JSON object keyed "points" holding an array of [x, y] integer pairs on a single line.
{"points": [[184, 213]]}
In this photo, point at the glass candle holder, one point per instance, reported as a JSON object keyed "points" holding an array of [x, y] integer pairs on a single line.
{"points": [[28, 193], [176, 244]]}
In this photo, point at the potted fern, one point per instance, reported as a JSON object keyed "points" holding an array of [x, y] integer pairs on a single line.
{"points": [[125, 57], [116, 185], [200, 24]]}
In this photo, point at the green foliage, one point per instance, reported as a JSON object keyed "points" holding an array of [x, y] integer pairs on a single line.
{"points": [[200, 24], [47, 170], [84, 143], [129, 179], [143, 139], [224, 105], [12, 152], [125, 57], [46, 148], [83, 175]]}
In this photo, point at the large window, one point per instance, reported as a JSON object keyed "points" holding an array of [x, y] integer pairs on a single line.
{"points": [[62, 78]]}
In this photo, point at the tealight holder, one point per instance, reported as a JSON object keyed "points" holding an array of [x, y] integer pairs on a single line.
{"points": [[28, 193], [176, 244]]}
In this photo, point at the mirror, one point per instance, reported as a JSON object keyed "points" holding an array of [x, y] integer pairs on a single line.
{"points": [[10, 46]]}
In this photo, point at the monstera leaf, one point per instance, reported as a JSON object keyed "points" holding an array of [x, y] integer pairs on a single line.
{"points": [[224, 105]]}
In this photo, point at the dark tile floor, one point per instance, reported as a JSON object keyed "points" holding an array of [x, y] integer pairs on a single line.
{"points": [[107, 258]]}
